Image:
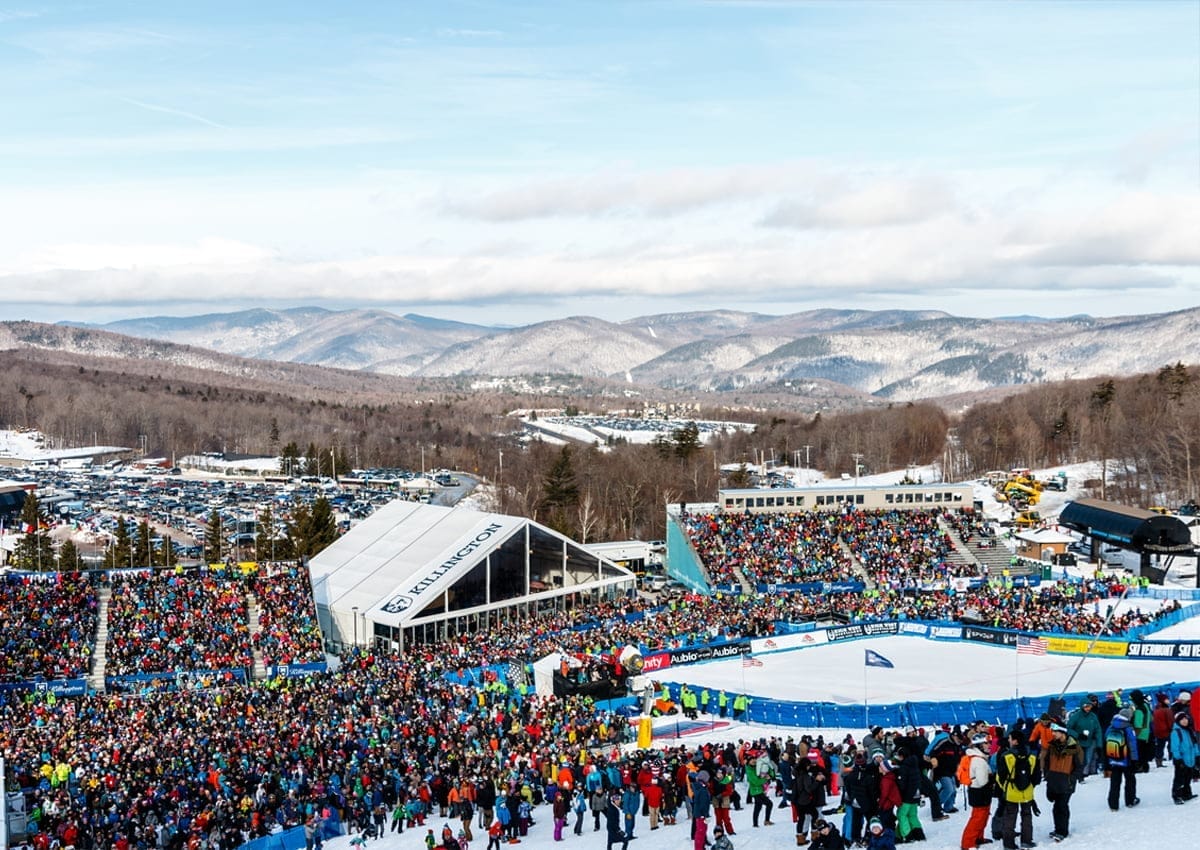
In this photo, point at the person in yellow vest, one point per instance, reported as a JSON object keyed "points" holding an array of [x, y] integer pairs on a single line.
{"points": [[1017, 776]]}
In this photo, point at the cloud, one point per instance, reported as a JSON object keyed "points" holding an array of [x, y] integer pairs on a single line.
{"points": [[884, 203], [664, 193]]}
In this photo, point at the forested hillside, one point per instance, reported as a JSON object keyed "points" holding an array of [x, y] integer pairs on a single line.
{"points": [[1147, 426]]}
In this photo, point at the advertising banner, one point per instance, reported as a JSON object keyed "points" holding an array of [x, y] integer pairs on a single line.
{"points": [[654, 663], [59, 687], [708, 653], [858, 630], [915, 629], [1079, 646], [792, 641], [1181, 650], [946, 632], [982, 635]]}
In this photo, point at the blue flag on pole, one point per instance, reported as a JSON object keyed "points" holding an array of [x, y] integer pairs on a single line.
{"points": [[874, 659]]}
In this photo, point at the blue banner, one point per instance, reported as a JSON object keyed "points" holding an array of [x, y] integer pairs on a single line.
{"points": [[296, 671], [58, 687]]}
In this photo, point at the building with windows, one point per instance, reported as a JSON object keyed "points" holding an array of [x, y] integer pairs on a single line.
{"points": [[413, 573]]}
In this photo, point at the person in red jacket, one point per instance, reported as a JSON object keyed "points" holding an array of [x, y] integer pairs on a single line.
{"points": [[652, 793], [889, 792], [1161, 722]]}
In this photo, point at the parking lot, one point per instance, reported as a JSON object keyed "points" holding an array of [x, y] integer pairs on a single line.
{"points": [[86, 505]]}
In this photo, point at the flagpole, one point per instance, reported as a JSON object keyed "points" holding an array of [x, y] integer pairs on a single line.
{"points": [[866, 709], [1017, 671]]}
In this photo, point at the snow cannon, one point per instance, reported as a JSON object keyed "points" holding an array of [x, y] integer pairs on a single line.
{"points": [[631, 659]]}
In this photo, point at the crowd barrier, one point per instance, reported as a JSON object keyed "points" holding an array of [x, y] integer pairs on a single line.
{"points": [[825, 715], [293, 839]]}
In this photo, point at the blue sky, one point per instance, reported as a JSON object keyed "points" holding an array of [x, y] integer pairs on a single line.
{"points": [[519, 161]]}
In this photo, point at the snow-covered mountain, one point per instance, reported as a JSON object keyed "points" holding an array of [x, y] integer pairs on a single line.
{"points": [[898, 355]]}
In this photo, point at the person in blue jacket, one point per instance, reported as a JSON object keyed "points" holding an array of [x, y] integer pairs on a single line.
{"points": [[1184, 756], [631, 802], [880, 837]]}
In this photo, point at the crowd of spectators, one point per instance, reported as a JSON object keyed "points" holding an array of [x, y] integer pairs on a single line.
{"points": [[895, 548], [47, 626], [787, 548], [901, 548], [288, 629], [168, 622]]}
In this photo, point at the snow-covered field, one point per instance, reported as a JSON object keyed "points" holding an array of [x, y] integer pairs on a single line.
{"points": [[924, 671]]}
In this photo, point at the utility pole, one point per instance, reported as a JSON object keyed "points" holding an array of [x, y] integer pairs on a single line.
{"points": [[857, 465]]}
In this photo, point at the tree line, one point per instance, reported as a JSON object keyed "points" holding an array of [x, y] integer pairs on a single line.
{"points": [[1144, 426]]}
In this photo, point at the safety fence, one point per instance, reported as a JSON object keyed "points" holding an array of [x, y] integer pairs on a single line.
{"points": [[826, 715]]}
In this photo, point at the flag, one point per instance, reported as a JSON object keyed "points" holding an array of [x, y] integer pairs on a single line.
{"points": [[874, 659], [751, 661], [1030, 646]]}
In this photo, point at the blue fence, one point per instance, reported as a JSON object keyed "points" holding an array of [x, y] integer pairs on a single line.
{"points": [[1166, 621], [825, 715]]}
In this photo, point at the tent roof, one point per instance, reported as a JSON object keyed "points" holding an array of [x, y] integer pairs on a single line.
{"points": [[401, 546], [405, 554]]}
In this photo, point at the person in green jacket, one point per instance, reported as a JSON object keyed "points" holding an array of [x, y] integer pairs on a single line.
{"points": [[722, 702], [759, 774], [1084, 726], [740, 704]]}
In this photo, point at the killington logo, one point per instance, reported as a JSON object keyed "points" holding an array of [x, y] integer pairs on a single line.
{"points": [[397, 604]]}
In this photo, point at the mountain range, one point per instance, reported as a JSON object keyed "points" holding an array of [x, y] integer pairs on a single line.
{"points": [[895, 355]]}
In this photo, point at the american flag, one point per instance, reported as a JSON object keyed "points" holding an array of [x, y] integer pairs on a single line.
{"points": [[750, 661], [1030, 645]]}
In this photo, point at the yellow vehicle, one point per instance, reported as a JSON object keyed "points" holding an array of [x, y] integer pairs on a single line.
{"points": [[1014, 489], [1028, 519]]}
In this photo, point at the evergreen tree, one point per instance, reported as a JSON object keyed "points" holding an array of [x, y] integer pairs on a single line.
{"points": [[164, 553], [560, 492], [267, 545], [739, 479], [120, 553], [687, 440], [214, 548], [34, 550], [312, 460], [311, 529], [69, 558], [141, 547], [289, 459]]}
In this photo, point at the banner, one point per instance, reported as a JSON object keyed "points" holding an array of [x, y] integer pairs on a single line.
{"points": [[915, 629], [1181, 650], [295, 671], [708, 653], [982, 635], [859, 630], [1079, 646], [658, 661], [59, 687], [792, 641], [946, 632]]}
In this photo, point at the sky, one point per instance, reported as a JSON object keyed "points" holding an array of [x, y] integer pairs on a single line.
{"points": [[509, 162]]}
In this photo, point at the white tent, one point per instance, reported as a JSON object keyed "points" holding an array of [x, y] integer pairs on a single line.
{"points": [[441, 571]]}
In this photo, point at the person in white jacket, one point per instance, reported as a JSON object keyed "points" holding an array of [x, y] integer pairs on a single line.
{"points": [[979, 790]]}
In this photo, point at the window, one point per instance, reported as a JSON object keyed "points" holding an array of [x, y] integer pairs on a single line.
{"points": [[858, 499], [889, 498]]}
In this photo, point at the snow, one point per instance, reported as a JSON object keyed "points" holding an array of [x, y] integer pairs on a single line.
{"points": [[925, 671], [31, 445]]}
